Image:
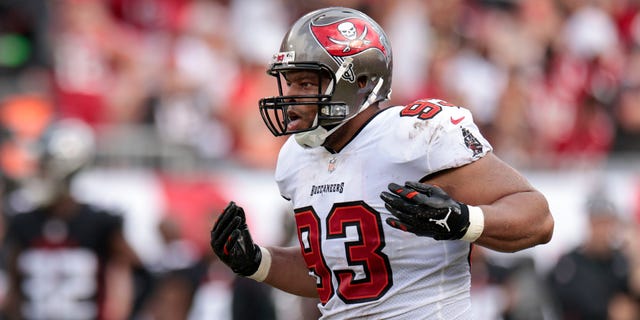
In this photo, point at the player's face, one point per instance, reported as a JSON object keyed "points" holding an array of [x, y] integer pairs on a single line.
{"points": [[303, 83]]}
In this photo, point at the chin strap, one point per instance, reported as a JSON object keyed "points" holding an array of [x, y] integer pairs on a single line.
{"points": [[315, 138]]}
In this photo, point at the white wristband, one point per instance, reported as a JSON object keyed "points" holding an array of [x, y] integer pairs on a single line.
{"points": [[264, 267], [476, 220]]}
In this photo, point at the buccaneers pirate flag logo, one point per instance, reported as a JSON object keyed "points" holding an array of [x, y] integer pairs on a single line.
{"points": [[348, 37]]}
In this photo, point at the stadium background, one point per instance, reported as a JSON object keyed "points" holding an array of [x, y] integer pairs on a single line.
{"points": [[170, 88]]}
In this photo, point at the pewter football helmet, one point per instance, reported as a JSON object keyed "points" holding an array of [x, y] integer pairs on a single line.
{"points": [[340, 43]]}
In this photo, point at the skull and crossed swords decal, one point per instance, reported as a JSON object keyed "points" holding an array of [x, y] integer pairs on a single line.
{"points": [[348, 30]]}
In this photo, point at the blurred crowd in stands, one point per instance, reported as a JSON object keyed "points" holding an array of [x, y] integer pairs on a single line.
{"points": [[553, 84]]}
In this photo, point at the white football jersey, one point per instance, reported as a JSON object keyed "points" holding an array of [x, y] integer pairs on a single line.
{"points": [[364, 268]]}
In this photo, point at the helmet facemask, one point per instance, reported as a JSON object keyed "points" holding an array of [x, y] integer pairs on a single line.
{"points": [[275, 110]]}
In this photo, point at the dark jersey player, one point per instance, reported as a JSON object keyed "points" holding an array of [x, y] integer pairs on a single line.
{"points": [[65, 260]]}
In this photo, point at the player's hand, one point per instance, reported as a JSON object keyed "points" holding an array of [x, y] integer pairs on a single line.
{"points": [[426, 210], [232, 243]]}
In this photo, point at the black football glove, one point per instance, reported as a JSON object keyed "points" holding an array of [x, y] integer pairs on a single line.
{"points": [[232, 243], [426, 210]]}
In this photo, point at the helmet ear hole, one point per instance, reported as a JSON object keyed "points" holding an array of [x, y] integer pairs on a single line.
{"points": [[362, 81]]}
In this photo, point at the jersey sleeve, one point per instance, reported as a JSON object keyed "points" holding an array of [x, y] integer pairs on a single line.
{"points": [[15, 234], [456, 141], [106, 224], [434, 135]]}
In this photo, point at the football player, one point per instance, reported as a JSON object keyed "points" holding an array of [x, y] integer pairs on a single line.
{"points": [[66, 260], [388, 201]]}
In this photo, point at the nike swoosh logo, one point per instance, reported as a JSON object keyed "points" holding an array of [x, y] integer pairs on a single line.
{"points": [[456, 121]]}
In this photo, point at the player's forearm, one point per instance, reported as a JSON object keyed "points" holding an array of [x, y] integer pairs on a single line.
{"points": [[119, 291], [632, 250], [11, 305], [10, 308], [516, 222], [289, 272]]}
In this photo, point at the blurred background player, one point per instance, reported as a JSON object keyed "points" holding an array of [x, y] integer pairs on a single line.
{"points": [[65, 259], [598, 279]]}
